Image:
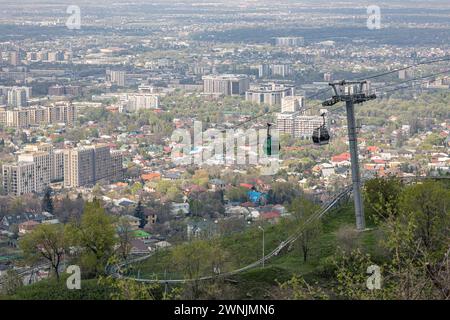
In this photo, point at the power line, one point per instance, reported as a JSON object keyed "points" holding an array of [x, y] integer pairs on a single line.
{"points": [[407, 67], [279, 108], [399, 83], [367, 78]]}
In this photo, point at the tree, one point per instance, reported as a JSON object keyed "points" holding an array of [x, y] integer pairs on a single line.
{"points": [[418, 250], [96, 235], [47, 201], [46, 241], [428, 206], [283, 192], [382, 197], [201, 178], [351, 276], [124, 238], [237, 194], [135, 188], [196, 259], [139, 213], [298, 289], [303, 209], [11, 282]]}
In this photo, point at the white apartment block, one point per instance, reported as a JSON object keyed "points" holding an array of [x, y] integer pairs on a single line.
{"points": [[226, 84], [117, 77], [88, 165], [137, 101], [23, 118], [271, 94], [58, 165], [292, 104], [297, 125], [18, 179], [289, 41], [5, 89], [37, 166], [42, 168], [280, 70]]}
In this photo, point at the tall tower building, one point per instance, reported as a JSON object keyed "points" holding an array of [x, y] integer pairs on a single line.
{"points": [[226, 84], [292, 104], [42, 161], [89, 165], [14, 58], [17, 97], [117, 77], [18, 179]]}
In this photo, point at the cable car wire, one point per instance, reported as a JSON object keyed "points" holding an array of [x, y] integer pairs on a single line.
{"points": [[427, 62]]}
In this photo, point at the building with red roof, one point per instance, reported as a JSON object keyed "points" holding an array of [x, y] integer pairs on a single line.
{"points": [[341, 157]]}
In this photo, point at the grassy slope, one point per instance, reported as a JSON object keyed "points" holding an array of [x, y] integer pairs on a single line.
{"points": [[244, 248]]}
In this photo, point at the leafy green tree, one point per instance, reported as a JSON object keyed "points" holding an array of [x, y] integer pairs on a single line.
{"points": [[96, 235], [283, 192], [196, 259], [201, 178], [46, 241], [298, 289], [238, 194], [47, 201], [196, 207], [351, 276], [417, 244], [382, 197], [124, 238], [139, 213], [126, 289], [303, 210], [434, 139], [136, 187], [11, 282], [428, 206]]}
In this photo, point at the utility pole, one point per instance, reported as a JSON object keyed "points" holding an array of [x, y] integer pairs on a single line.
{"points": [[352, 93], [263, 246]]}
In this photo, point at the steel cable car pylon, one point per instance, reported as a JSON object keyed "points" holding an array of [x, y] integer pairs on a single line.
{"points": [[352, 92]]}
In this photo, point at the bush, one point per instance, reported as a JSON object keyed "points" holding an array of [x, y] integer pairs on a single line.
{"points": [[54, 290]]}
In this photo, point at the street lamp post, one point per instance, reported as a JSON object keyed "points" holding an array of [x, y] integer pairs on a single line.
{"points": [[263, 246]]}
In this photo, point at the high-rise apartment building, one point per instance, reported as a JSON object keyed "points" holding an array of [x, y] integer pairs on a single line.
{"points": [[278, 70], [14, 58], [18, 178], [292, 104], [42, 161], [289, 41], [117, 77], [4, 90], [270, 94], [23, 118], [17, 97], [88, 165], [137, 101], [226, 84], [58, 165], [291, 120]]}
